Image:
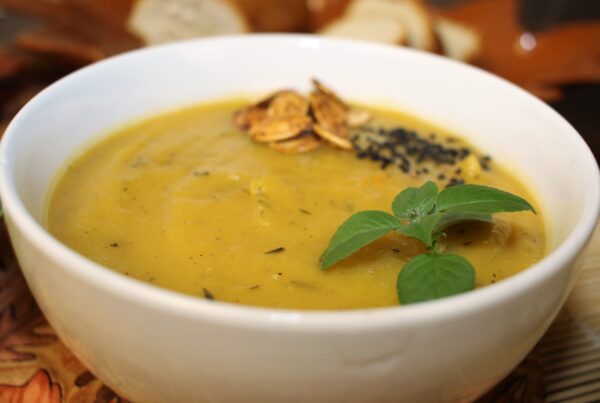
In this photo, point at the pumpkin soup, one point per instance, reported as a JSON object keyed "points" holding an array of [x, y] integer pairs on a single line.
{"points": [[187, 202]]}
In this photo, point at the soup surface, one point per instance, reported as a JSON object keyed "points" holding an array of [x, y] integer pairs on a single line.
{"points": [[186, 202]]}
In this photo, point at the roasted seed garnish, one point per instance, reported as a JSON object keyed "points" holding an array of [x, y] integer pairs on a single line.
{"points": [[319, 86], [278, 128], [245, 118], [332, 138], [296, 145], [288, 103], [329, 114], [292, 123]]}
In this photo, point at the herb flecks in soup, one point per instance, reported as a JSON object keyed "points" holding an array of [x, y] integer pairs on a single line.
{"points": [[186, 202]]}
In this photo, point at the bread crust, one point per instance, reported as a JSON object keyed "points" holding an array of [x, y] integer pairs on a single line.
{"points": [[323, 12], [274, 16]]}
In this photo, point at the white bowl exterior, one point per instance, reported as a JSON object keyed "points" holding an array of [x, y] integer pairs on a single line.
{"points": [[154, 345]]}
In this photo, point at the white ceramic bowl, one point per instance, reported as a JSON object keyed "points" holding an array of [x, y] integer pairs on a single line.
{"points": [[152, 345]]}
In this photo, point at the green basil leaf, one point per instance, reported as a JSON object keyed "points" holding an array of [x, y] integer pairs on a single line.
{"points": [[453, 217], [423, 229], [413, 203], [479, 199], [357, 231], [432, 276]]}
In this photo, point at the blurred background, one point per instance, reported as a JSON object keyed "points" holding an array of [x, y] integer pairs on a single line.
{"points": [[550, 48]]}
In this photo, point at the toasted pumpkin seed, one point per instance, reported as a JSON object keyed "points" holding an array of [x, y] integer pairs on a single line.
{"points": [[279, 128], [329, 114], [296, 145], [245, 118], [288, 103], [332, 137], [320, 87]]}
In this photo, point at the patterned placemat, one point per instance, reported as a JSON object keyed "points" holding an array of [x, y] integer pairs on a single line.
{"points": [[36, 367]]}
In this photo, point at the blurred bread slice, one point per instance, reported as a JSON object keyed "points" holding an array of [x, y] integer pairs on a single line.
{"points": [[412, 15], [322, 12], [274, 15], [457, 40], [157, 21], [375, 29]]}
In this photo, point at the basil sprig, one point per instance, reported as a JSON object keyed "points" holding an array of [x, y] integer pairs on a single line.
{"points": [[423, 213]]}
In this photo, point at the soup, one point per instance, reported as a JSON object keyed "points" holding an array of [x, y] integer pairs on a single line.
{"points": [[186, 202]]}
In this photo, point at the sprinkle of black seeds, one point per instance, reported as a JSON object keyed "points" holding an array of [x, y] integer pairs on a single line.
{"points": [[303, 211], [114, 245], [441, 177], [405, 149], [276, 250], [255, 287], [208, 294]]}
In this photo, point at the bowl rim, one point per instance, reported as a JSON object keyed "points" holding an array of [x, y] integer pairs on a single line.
{"points": [[84, 269]]}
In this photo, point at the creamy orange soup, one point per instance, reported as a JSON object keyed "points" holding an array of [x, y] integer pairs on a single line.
{"points": [[188, 203]]}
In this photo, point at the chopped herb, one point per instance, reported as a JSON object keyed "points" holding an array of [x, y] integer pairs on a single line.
{"points": [[201, 173], [276, 250], [207, 294], [114, 245], [302, 284]]}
